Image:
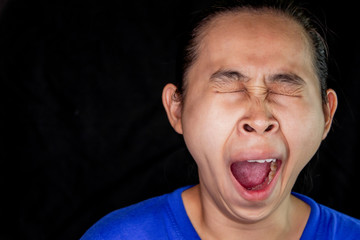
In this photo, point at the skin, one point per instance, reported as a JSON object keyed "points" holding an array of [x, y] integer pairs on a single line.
{"points": [[252, 93]]}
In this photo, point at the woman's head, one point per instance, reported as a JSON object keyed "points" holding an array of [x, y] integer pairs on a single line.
{"points": [[253, 111]]}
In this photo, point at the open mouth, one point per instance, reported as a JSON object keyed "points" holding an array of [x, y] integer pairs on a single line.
{"points": [[255, 175]]}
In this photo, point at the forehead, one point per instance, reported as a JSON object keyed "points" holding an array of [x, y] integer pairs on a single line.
{"points": [[254, 19], [264, 38], [266, 25]]}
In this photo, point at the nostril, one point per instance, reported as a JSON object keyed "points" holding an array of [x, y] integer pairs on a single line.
{"points": [[269, 128], [248, 128]]}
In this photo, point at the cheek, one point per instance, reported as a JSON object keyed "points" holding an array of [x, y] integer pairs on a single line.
{"points": [[206, 126], [302, 126]]}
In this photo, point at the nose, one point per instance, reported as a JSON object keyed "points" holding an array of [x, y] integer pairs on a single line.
{"points": [[259, 122]]}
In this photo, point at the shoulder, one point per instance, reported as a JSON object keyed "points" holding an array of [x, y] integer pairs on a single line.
{"points": [[145, 220], [131, 222], [327, 223]]}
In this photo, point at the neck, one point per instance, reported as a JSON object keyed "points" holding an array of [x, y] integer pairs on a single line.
{"points": [[287, 221]]}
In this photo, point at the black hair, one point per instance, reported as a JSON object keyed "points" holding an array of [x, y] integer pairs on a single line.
{"points": [[189, 41]]}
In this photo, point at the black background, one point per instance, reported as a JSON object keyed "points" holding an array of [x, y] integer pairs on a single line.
{"points": [[83, 130]]}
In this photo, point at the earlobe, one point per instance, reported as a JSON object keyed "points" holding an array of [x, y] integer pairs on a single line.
{"points": [[172, 106], [329, 110]]}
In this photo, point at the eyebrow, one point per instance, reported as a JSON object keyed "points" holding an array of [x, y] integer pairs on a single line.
{"points": [[226, 75], [290, 78]]}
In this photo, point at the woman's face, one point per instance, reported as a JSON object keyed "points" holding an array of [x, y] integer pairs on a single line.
{"points": [[252, 94]]}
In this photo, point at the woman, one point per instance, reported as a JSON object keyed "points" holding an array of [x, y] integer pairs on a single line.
{"points": [[253, 107]]}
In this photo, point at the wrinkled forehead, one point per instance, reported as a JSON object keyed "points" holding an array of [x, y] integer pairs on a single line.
{"points": [[252, 32]]}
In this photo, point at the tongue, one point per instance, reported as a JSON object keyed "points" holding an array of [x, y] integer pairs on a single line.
{"points": [[250, 174]]}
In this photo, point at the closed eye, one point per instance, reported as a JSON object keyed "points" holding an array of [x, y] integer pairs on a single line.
{"points": [[232, 91], [289, 94]]}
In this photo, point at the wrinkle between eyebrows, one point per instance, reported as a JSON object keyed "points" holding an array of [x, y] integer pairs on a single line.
{"points": [[283, 83]]}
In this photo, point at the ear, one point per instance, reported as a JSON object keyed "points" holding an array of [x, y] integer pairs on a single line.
{"points": [[329, 110], [172, 105]]}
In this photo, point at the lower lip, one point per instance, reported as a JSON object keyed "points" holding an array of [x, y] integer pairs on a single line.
{"points": [[258, 195]]}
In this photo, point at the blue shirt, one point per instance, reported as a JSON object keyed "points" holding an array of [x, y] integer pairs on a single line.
{"points": [[165, 217]]}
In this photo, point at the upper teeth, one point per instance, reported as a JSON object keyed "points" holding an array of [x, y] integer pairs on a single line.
{"points": [[263, 160]]}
